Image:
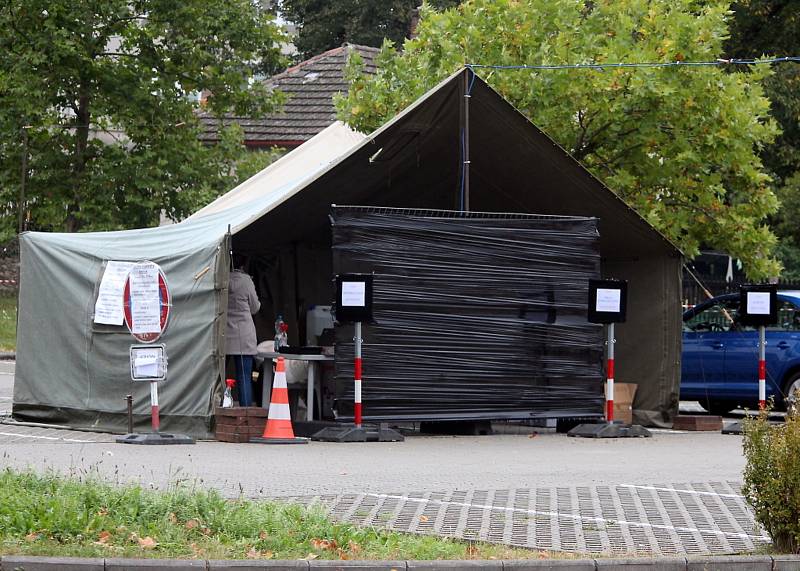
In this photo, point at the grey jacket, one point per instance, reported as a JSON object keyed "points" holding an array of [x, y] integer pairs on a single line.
{"points": [[240, 333]]}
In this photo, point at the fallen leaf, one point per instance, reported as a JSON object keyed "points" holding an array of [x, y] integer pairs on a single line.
{"points": [[324, 544], [423, 518], [173, 518], [342, 554], [253, 553], [191, 524], [544, 555], [493, 558], [199, 551], [472, 551], [268, 554], [309, 557], [147, 542], [103, 537], [205, 531], [355, 547], [263, 535], [102, 512], [33, 536], [533, 435]]}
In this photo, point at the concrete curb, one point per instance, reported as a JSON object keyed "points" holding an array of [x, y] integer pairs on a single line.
{"points": [[732, 563]]}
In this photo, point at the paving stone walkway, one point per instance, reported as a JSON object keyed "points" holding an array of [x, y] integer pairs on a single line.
{"points": [[662, 519]]}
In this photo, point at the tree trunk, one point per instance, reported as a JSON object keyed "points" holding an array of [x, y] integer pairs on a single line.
{"points": [[72, 222]]}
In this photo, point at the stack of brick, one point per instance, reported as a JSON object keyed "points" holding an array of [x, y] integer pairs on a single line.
{"points": [[240, 423]]}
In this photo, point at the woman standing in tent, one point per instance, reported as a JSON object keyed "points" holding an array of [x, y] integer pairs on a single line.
{"points": [[240, 334]]}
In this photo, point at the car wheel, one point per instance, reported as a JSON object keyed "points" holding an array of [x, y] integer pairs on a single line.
{"points": [[718, 407], [790, 391]]}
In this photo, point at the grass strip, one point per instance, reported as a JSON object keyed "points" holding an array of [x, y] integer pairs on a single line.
{"points": [[8, 321], [47, 514]]}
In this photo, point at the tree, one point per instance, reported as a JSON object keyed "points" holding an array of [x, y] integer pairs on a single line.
{"points": [[772, 27], [678, 144], [101, 97], [323, 25]]}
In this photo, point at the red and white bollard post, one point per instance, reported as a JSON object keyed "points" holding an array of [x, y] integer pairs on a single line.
{"points": [[762, 367], [154, 405], [610, 375], [357, 376]]}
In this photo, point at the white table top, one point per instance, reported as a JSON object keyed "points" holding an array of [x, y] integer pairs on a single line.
{"points": [[295, 357]]}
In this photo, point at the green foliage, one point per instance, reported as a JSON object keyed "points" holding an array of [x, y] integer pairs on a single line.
{"points": [[8, 320], [678, 144], [105, 94], [51, 515], [772, 477], [771, 27], [323, 25]]}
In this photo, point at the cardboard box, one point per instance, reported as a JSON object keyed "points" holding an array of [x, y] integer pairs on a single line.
{"points": [[624, 394]]}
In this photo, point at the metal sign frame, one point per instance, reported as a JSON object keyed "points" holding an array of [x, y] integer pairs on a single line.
{"points": [[360, 312], [161, 362], [600, 314]]}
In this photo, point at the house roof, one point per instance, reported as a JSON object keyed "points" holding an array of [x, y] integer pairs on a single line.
{"points": [[310, 87]]}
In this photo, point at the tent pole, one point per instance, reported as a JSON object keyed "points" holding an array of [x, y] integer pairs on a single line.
{"points": [[465, 142]]}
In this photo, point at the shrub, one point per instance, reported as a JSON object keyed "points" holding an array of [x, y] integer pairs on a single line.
{"points": [[772, 477]]}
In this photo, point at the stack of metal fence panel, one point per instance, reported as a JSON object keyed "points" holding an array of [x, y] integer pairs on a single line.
{"points": [[477, 315]]}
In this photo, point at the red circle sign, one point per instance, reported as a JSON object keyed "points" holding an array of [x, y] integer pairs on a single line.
{"points": [[146, 302]]}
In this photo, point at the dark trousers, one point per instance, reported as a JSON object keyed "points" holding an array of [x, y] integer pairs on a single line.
{"points": [[244, 377]]}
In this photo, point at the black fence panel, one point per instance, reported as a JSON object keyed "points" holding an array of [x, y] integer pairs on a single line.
{"points": [[477, 315]]}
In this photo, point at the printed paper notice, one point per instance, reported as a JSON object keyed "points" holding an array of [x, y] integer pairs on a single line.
{"points": [[354, 294], [145, 300], [608, 300], [146, 362], [758, 302], [108, 307]]}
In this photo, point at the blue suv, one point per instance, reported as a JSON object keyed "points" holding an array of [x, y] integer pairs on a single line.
{"points": [[720, 355]]}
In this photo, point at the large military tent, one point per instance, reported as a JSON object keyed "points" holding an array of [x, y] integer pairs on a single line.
{"points": [[75, 372]]}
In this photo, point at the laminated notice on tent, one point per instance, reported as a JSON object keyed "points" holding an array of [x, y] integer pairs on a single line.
{"points": [[108, 307], [477, 315]]}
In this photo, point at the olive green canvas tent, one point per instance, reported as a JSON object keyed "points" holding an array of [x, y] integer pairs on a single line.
{"points": [[75, 372]]}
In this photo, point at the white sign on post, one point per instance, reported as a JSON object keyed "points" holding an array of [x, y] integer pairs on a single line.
{"points": [[354, 294], [758, 302], [145, 299], [148, 363], [108, 308], [608, 300]]}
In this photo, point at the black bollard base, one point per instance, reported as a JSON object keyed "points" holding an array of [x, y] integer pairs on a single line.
{"points": [[609, 430], [381, 433], [155, 439]]}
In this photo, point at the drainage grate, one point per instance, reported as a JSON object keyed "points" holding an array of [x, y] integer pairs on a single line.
{"points": [[662, 519]]}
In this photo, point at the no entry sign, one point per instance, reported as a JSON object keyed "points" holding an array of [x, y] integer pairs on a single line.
{"points": [[146, 302]]}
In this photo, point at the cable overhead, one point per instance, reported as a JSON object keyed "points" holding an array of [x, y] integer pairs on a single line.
{"points": [[620, 65]]}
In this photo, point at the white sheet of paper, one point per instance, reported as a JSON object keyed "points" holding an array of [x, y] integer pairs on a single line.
{"points": [[108, 307], [758, 302], [608, 300], [146, 363], [354, 294], [145, 301]]}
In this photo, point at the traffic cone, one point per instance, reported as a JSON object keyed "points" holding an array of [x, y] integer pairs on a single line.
{"points": [[278, 429]]}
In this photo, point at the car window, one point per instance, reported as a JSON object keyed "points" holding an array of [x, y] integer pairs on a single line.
{"points": [[788, 317], [720, 316]]}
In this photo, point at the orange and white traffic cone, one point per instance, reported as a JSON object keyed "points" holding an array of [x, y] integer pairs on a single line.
{"points": [[278, 429]]}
